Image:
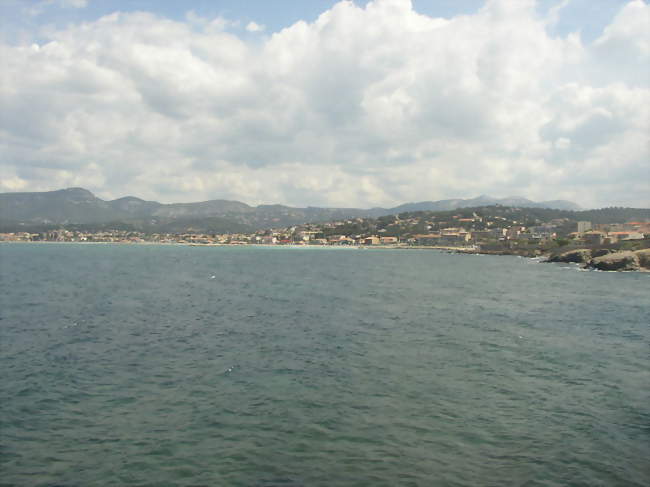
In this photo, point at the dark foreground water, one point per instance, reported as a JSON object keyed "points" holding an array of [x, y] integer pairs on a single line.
{"points": [[171, 365]]}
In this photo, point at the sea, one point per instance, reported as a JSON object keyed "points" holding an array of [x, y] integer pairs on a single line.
{"points": [[171, 365]]}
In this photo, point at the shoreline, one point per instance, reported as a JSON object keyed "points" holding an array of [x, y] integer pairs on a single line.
{"points": [[459, 250], [542, 257]]}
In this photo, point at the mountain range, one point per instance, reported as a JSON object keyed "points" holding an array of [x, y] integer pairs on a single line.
{"points": [[78, 206]]}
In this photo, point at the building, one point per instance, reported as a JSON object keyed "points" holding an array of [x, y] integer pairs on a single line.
{"points": [[594, 238], [340, 240], [626, 235], [513, 233], [427, 239], [482, 235], [389, 240], [371, 240], [582, 227]]}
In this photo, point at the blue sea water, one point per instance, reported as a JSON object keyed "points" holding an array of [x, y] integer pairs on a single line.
{"points": [[161, 365]]}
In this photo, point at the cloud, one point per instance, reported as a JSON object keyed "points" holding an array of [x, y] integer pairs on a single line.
{"points": [[254, 27], [365, 106], [73, 3], [210, 25], [553, 15], [40, 7]]}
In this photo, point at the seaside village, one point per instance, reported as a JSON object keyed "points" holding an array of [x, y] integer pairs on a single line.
{"points": [[459, 233]]}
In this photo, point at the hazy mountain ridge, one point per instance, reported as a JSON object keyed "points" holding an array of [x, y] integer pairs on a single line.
{"points": [[74, 205], [80, 206], [453, 204], [134, 206]]}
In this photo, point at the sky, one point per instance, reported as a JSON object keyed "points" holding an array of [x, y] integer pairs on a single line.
{"points": [[325, 103]]}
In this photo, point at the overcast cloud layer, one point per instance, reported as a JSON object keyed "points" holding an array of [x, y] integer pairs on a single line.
{"points": [[367, 106]]}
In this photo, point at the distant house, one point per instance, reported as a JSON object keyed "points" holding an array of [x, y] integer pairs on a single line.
{"points": [[481, 234], [582, 227], [389, 240], [427, 239], [643, 227], [305, 235], [340, 240], [594, 238], [513, 233], [497, 233], [541, 236], [626, 235], [371, 240], [454, 236]]}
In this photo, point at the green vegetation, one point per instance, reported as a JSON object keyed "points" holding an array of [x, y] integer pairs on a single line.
{"points": [[482, 218]]}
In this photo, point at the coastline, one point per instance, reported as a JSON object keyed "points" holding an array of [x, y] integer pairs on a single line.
{"points": [[285, 246], [541, 256]]}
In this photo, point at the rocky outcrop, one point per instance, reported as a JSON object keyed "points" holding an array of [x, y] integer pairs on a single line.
{"points": [[617, 261], [606, 259], [601, 252], [579, 256], [644, 258]]}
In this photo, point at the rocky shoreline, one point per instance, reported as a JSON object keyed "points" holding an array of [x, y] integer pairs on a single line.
{"points": [[597, 259], [605, 259]]}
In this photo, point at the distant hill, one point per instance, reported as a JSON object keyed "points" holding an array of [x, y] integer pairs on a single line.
{"points": [[74, 205], [454, 204], [134, 206], [78, 206]]}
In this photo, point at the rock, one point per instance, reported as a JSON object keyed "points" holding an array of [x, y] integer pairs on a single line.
{"points": [[601, 252], [644, 258], [580, 256], [617, 261]]}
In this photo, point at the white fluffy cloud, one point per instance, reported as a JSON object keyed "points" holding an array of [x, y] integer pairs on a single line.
{"points": [[365, 106], [254, 27], [40, 7]]}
